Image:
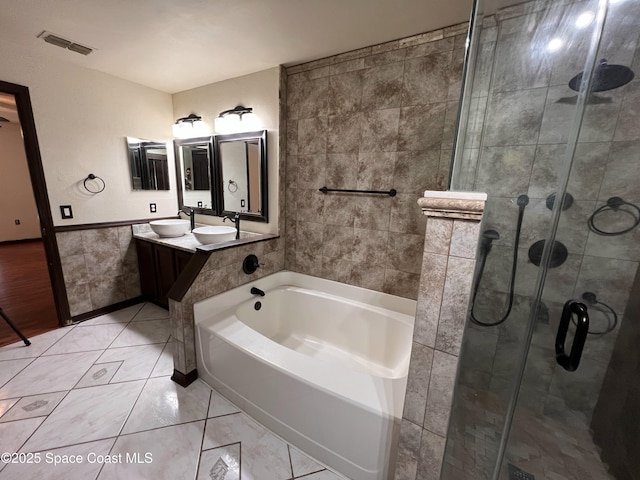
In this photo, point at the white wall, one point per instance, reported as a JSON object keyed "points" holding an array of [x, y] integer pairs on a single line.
{"points": [[259, 90], [16, 194], [82, 118]]}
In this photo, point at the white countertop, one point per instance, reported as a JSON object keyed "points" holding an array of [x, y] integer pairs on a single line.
{"points": [[188, 242]]}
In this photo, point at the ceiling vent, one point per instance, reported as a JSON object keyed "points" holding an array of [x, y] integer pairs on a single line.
{"points": [[58, 41]]}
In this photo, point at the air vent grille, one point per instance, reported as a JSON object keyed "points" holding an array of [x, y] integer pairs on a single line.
{"points": [[58, 41]]}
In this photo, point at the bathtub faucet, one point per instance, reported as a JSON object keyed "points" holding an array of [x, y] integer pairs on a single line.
{"points": [[257, 291]]}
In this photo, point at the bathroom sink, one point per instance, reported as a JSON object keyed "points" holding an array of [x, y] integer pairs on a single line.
{"points": [[170, 228], [214, 234]]}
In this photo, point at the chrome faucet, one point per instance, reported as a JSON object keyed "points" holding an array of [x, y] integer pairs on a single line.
{"points": [[236, 221], [189, 213]]}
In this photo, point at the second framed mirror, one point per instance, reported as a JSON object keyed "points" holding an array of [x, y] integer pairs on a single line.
{"points": [[241, 159]]}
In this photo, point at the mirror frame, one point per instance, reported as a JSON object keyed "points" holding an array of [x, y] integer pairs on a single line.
{"points": [[261, 136], [177, 143]]}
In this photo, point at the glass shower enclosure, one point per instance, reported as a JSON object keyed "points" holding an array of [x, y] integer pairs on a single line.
{"points": [[548, 385]]}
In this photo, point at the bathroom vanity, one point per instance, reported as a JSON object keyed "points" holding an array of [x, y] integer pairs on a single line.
{"points": [[160, 266], [161, 260]]}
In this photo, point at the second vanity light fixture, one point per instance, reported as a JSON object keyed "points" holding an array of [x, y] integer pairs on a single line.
{"points": [[190, 127], [239, 119]]}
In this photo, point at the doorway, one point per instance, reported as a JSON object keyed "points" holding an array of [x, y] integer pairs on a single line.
{"points": [[32, 292]]}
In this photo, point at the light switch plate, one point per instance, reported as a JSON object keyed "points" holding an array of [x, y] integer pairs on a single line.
{"points": [[66, 212]]}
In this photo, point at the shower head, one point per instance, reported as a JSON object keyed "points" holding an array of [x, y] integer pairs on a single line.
{"points": [[490, 235], [605, 77], [487, 239]]}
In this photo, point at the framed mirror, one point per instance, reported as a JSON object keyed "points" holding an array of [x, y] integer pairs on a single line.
{"points": [[195, 174], [148, 164], [241, 161]]}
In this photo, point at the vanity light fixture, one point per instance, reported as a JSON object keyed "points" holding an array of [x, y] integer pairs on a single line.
{"points": [[190, 127], [239, 119]]}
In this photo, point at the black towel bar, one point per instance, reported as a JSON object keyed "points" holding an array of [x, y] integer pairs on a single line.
{"points": [[391, 193]]}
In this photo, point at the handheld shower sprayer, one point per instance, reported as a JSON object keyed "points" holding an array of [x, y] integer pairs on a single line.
{"points": [[488, 237]]}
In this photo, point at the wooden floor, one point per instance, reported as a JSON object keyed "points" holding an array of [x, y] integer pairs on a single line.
{"points": [[25, 290]]}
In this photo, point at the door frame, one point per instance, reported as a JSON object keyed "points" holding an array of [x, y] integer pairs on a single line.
{"points": [[39, 186]]}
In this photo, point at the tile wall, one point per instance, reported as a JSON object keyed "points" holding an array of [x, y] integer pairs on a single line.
{"points": [[521, 114], [377, 118], [100, 267], [445, 285]]}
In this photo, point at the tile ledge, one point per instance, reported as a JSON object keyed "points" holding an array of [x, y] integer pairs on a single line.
{"points": [[461, 205], [455, 195]]}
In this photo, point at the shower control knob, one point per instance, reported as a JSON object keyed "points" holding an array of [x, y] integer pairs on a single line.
{"points": [[250, 264]]}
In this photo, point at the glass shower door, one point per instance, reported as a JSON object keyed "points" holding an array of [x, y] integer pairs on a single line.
{"points": [[575, 407], [562, 170]]}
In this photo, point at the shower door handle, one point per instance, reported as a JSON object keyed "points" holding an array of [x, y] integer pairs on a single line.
{"points": [[570, 362]]}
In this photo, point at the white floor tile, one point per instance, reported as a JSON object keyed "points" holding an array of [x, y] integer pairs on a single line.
{"points": [[164, 366], [303, 464], [220, 405], [10, 368], [14, 434], [121, 316], [220, 463], [39, 344], [85, 339], [174, 453], [264, 456], [87, 470], [99, 374], [324, 475], [85, 415], [151, 312], [33, 406], [49, 374], [7, 404], [163, 402], [137, 362], [143, 333]]}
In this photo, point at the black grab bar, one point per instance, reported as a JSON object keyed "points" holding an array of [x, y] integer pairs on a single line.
{"points": [[391, 193]]}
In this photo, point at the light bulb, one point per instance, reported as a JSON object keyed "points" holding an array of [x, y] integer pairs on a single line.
{"points": [[585, 19], [555, 44]]}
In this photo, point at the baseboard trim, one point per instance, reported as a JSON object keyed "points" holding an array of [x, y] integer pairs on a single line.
{"points": [[108, 309], [184, 380], [21, 240]]}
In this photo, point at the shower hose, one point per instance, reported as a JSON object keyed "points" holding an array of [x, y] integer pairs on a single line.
{"points": [[488, 237]]}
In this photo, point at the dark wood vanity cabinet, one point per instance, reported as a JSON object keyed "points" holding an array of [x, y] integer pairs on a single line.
{"points": [[159, 267]]}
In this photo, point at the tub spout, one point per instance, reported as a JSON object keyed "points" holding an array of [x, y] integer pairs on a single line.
{"points": [[257, 291]]}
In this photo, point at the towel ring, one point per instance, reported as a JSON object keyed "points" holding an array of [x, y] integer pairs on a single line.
{"points": [[614, 204], [234, 185], [91, 176]]}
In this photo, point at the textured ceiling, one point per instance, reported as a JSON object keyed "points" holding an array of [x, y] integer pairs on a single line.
{"points": [[175, 45]]}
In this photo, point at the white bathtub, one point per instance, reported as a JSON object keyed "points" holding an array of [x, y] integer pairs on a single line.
{"points": [[322, 364]]}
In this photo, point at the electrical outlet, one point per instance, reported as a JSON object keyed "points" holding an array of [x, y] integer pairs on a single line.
{"points": [[17, 220], [152, 208], [66, 212], [242, 202], [199, 204]]}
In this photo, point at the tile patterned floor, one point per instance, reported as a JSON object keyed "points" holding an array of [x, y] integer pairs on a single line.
{"points": [[558, 448], [100, 393]]}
